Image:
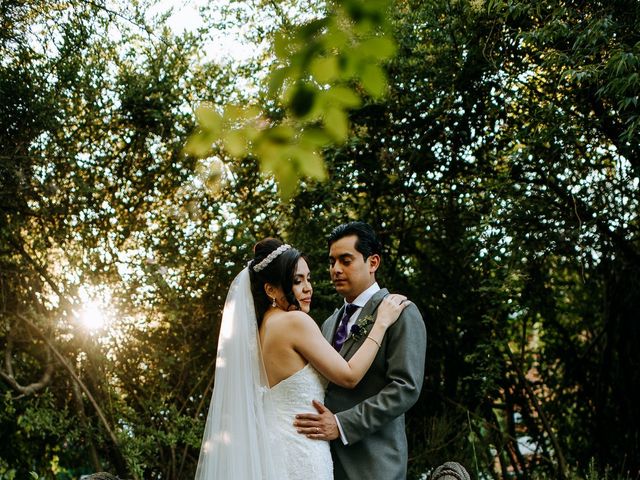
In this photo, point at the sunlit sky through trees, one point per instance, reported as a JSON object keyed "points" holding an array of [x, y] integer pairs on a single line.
{"points": [[226, 44]]}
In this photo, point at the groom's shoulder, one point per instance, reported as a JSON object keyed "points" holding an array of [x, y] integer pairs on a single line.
{"points": [[377, 297], [411, 310], [412, 322]]}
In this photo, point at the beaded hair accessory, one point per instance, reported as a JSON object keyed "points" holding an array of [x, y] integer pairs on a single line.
{"points": [[271, 257]]}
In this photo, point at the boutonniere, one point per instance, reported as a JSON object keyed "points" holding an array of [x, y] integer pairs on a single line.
{"points": [[359, 329]]}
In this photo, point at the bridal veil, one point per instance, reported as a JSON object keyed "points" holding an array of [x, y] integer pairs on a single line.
{"points": [[236, 441]]}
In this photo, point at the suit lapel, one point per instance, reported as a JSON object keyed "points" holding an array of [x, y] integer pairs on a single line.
{"points": [[370, 308]]}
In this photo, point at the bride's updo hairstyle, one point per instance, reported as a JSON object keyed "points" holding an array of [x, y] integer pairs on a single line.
{"points": [[278, 272]]}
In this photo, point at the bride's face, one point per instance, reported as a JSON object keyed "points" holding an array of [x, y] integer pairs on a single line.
{"points": [[302, 289]]}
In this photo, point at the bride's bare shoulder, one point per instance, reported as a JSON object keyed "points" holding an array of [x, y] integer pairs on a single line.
{"points": [[295, 319], [299, 316], [291, 316]]}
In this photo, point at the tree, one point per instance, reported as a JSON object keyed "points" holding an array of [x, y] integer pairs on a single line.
{"points": [[505, 196], [500, 171], [96, 114]]}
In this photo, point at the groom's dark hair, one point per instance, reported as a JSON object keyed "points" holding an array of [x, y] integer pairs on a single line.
{"points": [[367, 243]]}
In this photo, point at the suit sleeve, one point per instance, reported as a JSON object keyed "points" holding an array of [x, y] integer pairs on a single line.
{"points": [[405, 343]]}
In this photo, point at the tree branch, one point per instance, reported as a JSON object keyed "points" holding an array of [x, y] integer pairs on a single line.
{"points": [[9, 377], [103, 419], [562, 464]]}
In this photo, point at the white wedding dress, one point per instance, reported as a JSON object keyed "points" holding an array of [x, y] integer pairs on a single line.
{"points": [[249, 433], [304, 458]]}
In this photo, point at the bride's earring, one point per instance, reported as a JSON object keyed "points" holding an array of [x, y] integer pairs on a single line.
{"points": [[273, 303]]}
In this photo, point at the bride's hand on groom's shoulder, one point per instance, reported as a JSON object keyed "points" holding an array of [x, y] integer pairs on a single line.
{"points": [[390, 309]]}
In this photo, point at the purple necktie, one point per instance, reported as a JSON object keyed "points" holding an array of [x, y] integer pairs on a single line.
{"points": [[342, 332]]}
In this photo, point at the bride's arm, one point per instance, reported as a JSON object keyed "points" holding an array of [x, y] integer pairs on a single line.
{"points": [[307, 339]]}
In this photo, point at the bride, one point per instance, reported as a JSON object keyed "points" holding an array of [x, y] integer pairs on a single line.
{"points": [[272, 362]]}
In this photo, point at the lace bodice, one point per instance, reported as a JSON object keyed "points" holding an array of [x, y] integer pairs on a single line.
{"points": [[304, 458]]}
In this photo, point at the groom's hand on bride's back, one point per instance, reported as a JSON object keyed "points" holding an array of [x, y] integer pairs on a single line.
{"points": [[318, 426]]}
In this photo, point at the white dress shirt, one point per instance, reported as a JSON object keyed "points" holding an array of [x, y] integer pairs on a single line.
{"points": [[361, 300]]}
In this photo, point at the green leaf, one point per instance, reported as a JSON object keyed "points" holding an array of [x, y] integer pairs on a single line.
{"points": [[208, 118], [281, 45], [335, 38], [280, 134], [336, 123], [348, 63], [310, 29], [235, 142], [276, 80], [315, 137], [381, 48], [233, 113], [287, 184], [275, 159], [267, 153], [324, 69], [302, 100], [342, 96], [374, 80], [311, 164], [199, 144]]}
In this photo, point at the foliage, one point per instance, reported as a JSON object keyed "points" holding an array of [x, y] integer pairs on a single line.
{"points": [[507, 200], [500, 169], [91, 164], [323, 69]]}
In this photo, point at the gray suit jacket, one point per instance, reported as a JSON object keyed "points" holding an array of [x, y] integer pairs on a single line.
{"points": [[372, 414]]}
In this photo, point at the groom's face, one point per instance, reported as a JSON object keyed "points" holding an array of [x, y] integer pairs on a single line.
{"points": [[351, 273]]}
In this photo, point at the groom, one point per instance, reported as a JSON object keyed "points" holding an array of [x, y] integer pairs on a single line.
{"points": [[366, 424]]}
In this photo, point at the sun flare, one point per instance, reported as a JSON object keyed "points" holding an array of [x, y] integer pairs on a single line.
{"points": [[93, 316]]}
